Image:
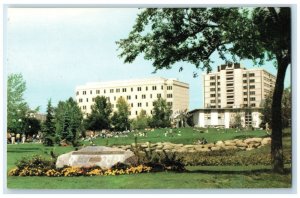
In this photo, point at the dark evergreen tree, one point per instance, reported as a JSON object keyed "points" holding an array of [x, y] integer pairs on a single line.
{"points": [[49, 126]]}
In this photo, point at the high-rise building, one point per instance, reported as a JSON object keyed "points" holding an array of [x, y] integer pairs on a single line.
{"points": [[139, 94], [233, 86], [231, 92]]}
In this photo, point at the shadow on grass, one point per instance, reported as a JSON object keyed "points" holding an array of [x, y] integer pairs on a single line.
{"points": [[22, 150], [245, 172]]}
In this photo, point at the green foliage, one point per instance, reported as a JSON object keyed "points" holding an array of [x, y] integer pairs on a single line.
{"points": [[68, 121], [120, 118], [236, 122], [32, 125], [161, 114], [141, 121], [17, 107], [169, 35], [100, 116], [286, 108], [49, 126]]}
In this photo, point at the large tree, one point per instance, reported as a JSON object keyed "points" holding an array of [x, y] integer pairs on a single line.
{"points": [[167, 36], [68, 121], [100, 116], [286, 108], [17, 107], [49, 126], [161, 114], [120, 118]]}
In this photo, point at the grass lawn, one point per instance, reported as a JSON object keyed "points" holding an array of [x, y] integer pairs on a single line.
{"points": [[197, 177], [188, 136]]}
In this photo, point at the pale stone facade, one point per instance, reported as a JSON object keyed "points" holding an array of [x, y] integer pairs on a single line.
{"points": [[139, 94], [233, 86], [230, 91], [225, 118]]}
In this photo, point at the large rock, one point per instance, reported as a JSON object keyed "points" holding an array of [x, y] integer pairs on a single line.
{"points": [[266, 140], [253, 140], [104, 157]]}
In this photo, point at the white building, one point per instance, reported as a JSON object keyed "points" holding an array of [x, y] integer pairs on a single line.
{"points": [[230, 91], [139, 94], [225, 117]]}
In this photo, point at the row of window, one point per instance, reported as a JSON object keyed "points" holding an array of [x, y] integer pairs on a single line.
{"points": [[124, 90], [251, 99], [128, 97], [213, 83], [250, 81], [250, 93], [250, 75], [138, 105], [250, 87], [214, 77]]}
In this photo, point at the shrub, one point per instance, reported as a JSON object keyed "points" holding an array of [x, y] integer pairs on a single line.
{"points": [[36, 162]]}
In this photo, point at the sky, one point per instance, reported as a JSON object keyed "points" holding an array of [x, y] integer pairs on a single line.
{"points": [[57, 49]]}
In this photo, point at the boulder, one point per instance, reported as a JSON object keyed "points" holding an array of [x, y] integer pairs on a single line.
{"points": [[216, 148], [266, 141], [104, 157], [220, 144], [241, 144], [229, 143], [253, 140], [230, 147]]}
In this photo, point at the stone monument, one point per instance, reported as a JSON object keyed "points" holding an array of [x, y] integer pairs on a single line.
{"points": [[104, 157]]}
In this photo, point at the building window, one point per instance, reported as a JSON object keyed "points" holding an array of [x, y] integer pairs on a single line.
{"points": [[229, 85], [131, 104], [170, 104], [115, 98], [162, 87], [136, 112], [111, 91], [218, 77], [230, 90], [87, 99], [169, 95], [139, 104], [84, 107], [244, 81], [245, 93], [131, 89], [212, 83], [244, 87], [252, 99], [97, 91], [151, 112], [104, 91], [219, 89], [245, 99], [77, 93], [117, 90], [229, 78], [252, 86], [219, 95], [135, 96], [124, 90], [229, 96], [153, 87], [244, 75], [253, 105], [213, 101], [252, 92], [150, 95], [169, 87], [93, 99], [212, 78], [219, 102], [84, 93], [146, 88], [139, 89], [252, 80], [212, 95], [128, 97], [146, 104], [158, 95], [251, 75], [212, 89], [80, 99], [230, 102], [143, 96], [218, 83]]}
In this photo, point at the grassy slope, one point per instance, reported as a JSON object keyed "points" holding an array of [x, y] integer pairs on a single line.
{"points": [[199, 177]]}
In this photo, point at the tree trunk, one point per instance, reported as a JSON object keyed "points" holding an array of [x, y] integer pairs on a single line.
{"points": [[276, 145]]}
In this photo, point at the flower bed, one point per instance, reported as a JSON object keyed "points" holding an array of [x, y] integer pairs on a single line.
{"points": [[77, 171]]}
